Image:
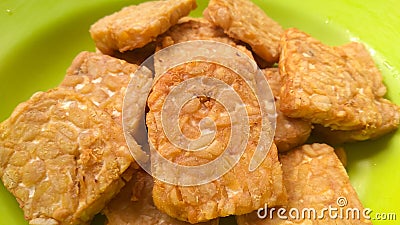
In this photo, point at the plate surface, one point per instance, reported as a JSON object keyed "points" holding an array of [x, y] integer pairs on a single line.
{"points": [[39, 39]]}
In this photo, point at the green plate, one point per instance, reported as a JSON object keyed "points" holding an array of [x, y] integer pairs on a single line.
{"points": [[39, 39]]}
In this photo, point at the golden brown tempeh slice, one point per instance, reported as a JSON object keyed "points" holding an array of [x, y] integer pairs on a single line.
{"points": [[62, 157], [239, 191], [289, 132], [135, 26], [134, 205], [390, 122], [360, 60], [102, 79], [245, 21], [190, 29], [315, 179], [330, 87]]}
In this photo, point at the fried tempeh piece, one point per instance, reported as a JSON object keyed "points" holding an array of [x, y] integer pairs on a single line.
{"points": [[390, 122], [245, 21], [134, 205], [330, 87], [135, 26], [190, 29], [102, 79], [360, 60], [239, 191], [289, 132], [62, 157], [315, 179], [390, 112]]}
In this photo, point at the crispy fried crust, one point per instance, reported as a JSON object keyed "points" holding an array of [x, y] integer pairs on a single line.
{"points": [[314, 178], [238, 191], [137, 25], [61, 157], [102, 79], [360, 60], [390, 122], [190, 29], [290, 132], [134, 205], [274, 80], [328, 86], [245, 21]]}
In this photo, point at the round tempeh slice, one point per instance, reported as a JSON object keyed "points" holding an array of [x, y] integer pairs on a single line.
{"points": [[245, 21], [62, 157], [135, 26]]}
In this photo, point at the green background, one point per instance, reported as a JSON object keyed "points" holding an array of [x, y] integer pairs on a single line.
{"points": [[39, 39]]}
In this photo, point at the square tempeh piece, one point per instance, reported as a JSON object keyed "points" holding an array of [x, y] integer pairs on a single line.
{"points": [[239, 190], [332, 86], [62, 157], [315, 179], [245, 21], [135, 26]]}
